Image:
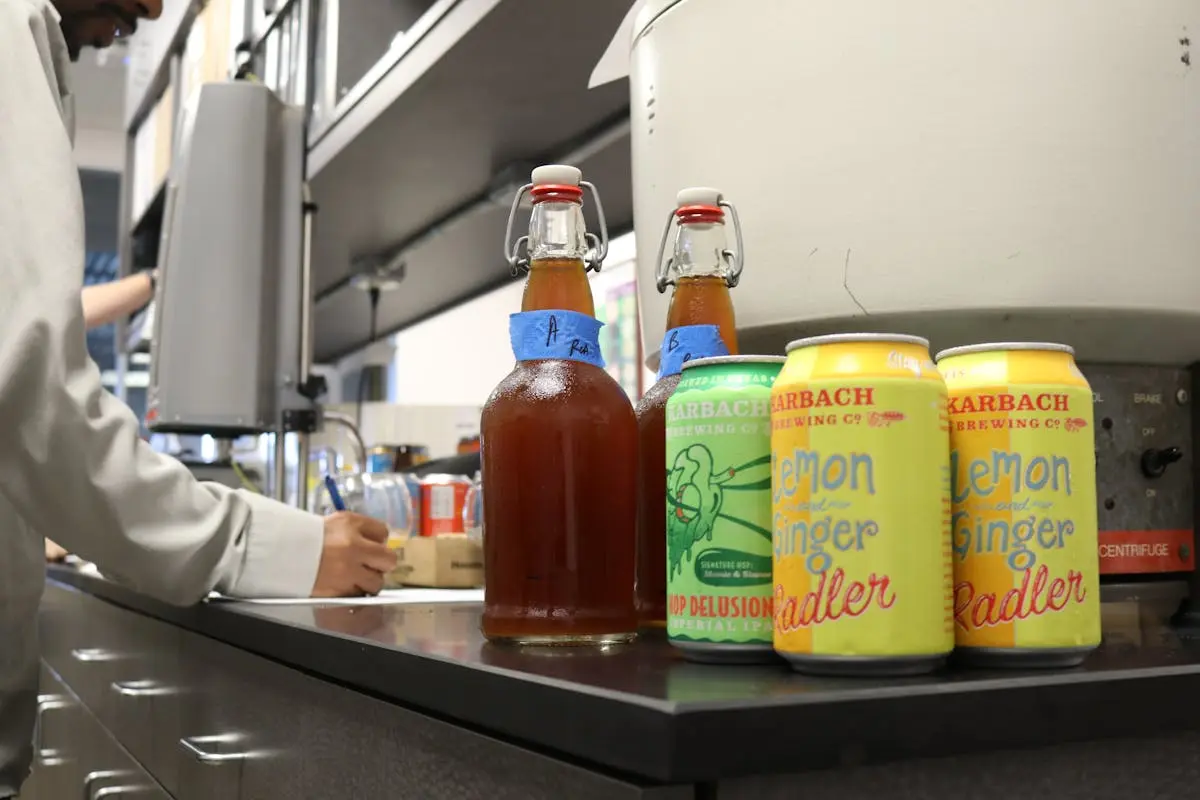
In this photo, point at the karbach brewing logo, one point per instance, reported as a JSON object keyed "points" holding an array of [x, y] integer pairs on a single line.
{"points": [[824, 398], [1031, 409], [1006, 401]]}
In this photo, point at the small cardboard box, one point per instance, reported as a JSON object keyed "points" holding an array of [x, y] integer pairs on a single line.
{"points": [[395, 578], [445, 561]]}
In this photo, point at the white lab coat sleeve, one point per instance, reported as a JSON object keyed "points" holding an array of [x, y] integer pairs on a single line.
{"points": [[72, 462]]}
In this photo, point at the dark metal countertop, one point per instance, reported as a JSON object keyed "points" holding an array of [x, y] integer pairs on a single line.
{"points": [[643, 711]]}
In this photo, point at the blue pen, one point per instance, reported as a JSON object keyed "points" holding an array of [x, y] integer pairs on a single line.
{"points": [[334, 494]]}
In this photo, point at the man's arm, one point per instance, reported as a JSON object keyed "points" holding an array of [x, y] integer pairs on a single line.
{"points": [[71, 460], [107, 302]]}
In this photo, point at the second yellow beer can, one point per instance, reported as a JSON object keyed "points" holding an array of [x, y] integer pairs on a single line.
{"points": [[1024, 527], [860, 484]]}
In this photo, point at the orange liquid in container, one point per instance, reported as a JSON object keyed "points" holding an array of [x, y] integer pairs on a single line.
{"points": [[704, 300], [559, 451], [701, 297]]}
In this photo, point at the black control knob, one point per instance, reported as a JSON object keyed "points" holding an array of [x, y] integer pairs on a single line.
{"points": [[1156, 460]]}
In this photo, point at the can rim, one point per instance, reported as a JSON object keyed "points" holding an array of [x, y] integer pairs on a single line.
{"points": [[709, 361], [848, 338], [994, 347]]}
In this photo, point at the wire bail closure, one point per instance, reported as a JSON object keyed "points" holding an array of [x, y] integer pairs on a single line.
{"points": [[734, 259], [517, 253]]}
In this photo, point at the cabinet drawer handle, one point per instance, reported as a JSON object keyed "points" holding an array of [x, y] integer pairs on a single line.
{"points": [[197, 746], [93, 654], [46, 702], [119, 791], [141, 689], [49, 702], [89, 783]]}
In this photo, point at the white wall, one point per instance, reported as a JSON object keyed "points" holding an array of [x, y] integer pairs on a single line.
{"points": [[438, 427], [98, 79], [458, 357]]}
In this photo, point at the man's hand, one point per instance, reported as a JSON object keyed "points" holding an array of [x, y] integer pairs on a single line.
{"points": [[54, 553], [355, 557]]}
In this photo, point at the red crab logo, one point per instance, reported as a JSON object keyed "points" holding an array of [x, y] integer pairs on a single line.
{"points": [[883, 419], [1075, 424]]}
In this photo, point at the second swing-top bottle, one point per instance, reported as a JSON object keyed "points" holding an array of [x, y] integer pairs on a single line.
{"points": [[700, 323]]}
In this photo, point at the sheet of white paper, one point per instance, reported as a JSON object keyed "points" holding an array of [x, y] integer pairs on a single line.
{"points": [[412, 594], [386, 597], [614, 64], [86, 567]]}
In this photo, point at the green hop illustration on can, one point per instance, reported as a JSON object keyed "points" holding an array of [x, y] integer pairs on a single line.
{"points": [[696, 494], [694, 500]]}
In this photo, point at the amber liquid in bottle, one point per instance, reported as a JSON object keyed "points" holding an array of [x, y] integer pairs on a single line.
{"points": [[700, 298], [559, 452]]}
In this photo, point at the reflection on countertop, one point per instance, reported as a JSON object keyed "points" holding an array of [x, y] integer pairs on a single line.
{"points": [[1135, 621], [642, 710]]}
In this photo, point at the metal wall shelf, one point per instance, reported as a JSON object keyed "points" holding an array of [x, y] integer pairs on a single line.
{"points": [[418, 161], [490, 90]]}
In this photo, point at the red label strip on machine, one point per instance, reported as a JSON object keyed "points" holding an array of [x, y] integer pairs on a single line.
{"points": [[1138, 552]]}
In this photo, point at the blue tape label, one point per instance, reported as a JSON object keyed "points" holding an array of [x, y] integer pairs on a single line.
{"points": [[685, 343], [556, 334]]}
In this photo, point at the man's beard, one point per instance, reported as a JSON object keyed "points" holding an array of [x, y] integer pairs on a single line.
{"points": [[72, 24], [73, 46]]}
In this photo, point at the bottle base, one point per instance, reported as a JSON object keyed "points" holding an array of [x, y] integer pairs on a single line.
{"points": [[564, 639]]}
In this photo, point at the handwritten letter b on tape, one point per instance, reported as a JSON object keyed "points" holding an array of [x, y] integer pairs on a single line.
{"points": [[688, 342]]}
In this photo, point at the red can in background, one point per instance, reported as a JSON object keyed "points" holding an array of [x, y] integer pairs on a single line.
{"points": [[442, 501]]}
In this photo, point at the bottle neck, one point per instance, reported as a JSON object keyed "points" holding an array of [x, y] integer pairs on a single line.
{"points": [[701, 282], [557, 246], [704, 300], [698, 251], [556, 231]]}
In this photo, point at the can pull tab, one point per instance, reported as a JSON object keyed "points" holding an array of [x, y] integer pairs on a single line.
{"points": [[689, 204]]}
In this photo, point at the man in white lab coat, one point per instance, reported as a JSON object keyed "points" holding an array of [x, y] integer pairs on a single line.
{"points": [[72, 466]]}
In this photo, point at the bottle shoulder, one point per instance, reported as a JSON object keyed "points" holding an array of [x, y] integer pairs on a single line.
{"points": [[656, 396], [547, 384]]}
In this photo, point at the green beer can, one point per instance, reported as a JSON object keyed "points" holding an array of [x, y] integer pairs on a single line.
{"points": [[719, 509]]}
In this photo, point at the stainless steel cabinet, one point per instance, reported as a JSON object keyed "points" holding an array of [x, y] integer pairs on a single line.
{"points": [[212, 722], [75, 756]]}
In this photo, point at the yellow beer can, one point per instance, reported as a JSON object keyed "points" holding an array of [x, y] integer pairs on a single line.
{"points": [[860, 484], [1023, 487]]}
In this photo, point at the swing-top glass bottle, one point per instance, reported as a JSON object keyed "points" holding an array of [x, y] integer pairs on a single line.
{"points": [[559, 453], [702, 269]]}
